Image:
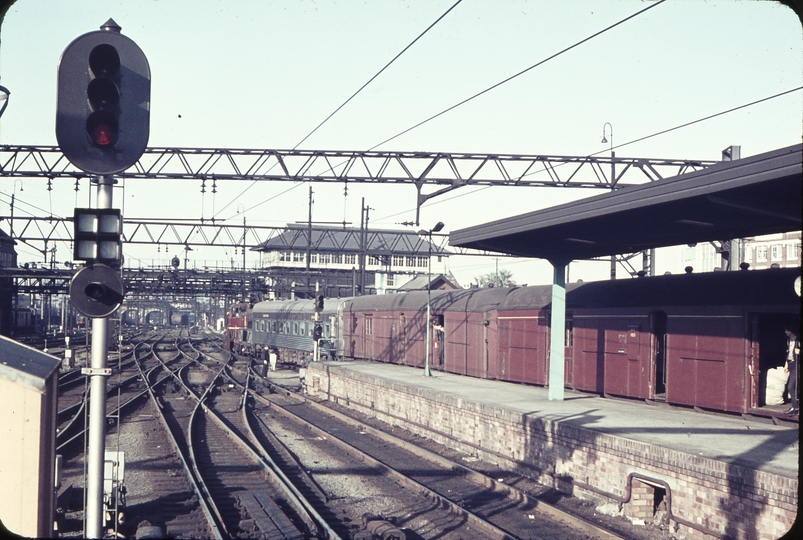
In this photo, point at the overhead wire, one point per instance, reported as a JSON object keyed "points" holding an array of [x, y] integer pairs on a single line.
{"points": [[508, 79], [522, 72], [405, 49], [657, 133]]}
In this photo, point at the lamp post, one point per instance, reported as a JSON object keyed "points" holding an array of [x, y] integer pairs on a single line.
{"points": [[4, 95], [613, 182], [438, 226]]}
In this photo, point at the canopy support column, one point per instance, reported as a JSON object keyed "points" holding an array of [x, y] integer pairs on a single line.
{"points": [[557, 330]]}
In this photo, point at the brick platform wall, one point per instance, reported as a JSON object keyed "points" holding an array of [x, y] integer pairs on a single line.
{"points": [[722, 499]]}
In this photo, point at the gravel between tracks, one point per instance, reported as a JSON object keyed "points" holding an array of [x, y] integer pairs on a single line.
{"points": [[584, 509]]}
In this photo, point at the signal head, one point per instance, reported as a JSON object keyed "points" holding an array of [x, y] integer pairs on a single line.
{"points": [[103, 113]]}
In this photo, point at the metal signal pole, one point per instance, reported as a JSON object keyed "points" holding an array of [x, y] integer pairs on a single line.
{"points": [[98, 371]]}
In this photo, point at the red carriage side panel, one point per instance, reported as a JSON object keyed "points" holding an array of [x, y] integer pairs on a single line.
{"points": [[627, 359], [382, 336], [476, 349], [588, 367], [521, 352], [416, 336], [705, 361], [452, 348]]}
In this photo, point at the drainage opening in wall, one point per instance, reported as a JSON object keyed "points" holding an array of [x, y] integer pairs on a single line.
{"points": [[648, 501]]}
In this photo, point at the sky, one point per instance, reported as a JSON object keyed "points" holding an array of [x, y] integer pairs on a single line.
{"points": [[264, 74]]}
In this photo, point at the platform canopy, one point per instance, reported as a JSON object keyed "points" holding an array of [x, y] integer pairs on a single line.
{"points": [[757, 195]]}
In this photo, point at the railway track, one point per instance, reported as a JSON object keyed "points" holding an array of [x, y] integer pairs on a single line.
{"points": [[229, 455], [457, 498], [239, 492]]}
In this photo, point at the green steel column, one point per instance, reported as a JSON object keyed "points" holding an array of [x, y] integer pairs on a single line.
{"points": [[558, 329]]}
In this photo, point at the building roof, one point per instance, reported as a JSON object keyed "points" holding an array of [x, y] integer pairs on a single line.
{"points": [[347, 240], [747, 197], [25, 365], [420, 283]]}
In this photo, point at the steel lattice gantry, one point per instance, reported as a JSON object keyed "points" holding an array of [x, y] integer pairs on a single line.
{"points": [[142, 283], [449, 170], [210, 233]]}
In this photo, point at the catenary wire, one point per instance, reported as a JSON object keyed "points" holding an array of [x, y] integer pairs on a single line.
{"points": [[439, 19], [662, 132], [522, 72], [622, 21]]}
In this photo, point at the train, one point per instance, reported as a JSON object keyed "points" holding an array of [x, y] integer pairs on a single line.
{"points": [[703, 340]]}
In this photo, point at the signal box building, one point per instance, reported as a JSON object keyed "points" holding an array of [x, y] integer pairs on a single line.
{"points": [[28, 409], [346, 261]]}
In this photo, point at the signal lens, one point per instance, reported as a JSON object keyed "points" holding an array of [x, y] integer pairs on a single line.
{"points": [[104, 61], [102, 128]]}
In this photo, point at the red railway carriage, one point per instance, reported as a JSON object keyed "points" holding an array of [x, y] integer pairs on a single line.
{"points": [[704, 340], [391, 328], [238, 319]]}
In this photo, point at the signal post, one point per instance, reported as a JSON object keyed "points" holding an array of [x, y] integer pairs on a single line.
{"points": [[102, 126]]}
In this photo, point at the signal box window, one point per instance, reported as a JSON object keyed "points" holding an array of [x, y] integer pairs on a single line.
{"points": [[777, 252]]}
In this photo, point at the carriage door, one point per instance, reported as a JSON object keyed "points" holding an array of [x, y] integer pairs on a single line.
{"points": [[368, 337], [659, 355], [755, 377], [402, 339]]}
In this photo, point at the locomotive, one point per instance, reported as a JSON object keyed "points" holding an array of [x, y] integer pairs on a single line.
{"points": [[702, 340]]}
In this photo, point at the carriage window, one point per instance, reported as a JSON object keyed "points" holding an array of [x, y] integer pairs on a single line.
{"points": [[273, 326], [295, 328], [569, 340], [327, 331], [369, 326]]}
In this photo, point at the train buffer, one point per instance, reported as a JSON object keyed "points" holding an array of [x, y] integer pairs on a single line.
{"points": [[269, 517]]}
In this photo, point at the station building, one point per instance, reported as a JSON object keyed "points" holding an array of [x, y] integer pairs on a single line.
{"points": [[346, 261]]}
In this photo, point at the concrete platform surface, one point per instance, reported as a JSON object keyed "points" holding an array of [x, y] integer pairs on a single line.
{"points": [[727, 438]]}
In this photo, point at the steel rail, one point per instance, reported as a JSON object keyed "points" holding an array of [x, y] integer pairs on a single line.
{"points": [[304, 509], [202, 501], [331, 534]]}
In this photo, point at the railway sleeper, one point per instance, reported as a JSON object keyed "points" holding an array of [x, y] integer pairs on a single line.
{"points": [[269, 517]]}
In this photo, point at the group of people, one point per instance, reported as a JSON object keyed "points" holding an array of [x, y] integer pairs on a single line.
{"points": [[792, 368]]}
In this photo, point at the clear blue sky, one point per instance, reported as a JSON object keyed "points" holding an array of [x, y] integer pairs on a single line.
{"points": [[263, 74]]}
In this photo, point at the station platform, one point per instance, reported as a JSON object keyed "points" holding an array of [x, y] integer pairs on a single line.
{"points": [[720, 476]]}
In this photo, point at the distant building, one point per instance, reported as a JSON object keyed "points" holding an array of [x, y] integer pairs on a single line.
{"points": [[782, 249], [760, 252], [347, 261], [8, 259]]}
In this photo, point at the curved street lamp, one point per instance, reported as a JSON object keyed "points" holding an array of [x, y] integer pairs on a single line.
{"points": [[4, 95], [423, 232]]}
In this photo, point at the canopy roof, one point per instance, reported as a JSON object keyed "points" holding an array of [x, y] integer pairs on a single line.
{"points": [[735, 199]]}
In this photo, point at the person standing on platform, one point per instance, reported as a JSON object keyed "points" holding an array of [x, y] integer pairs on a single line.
{"points": [[792, 367]]}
